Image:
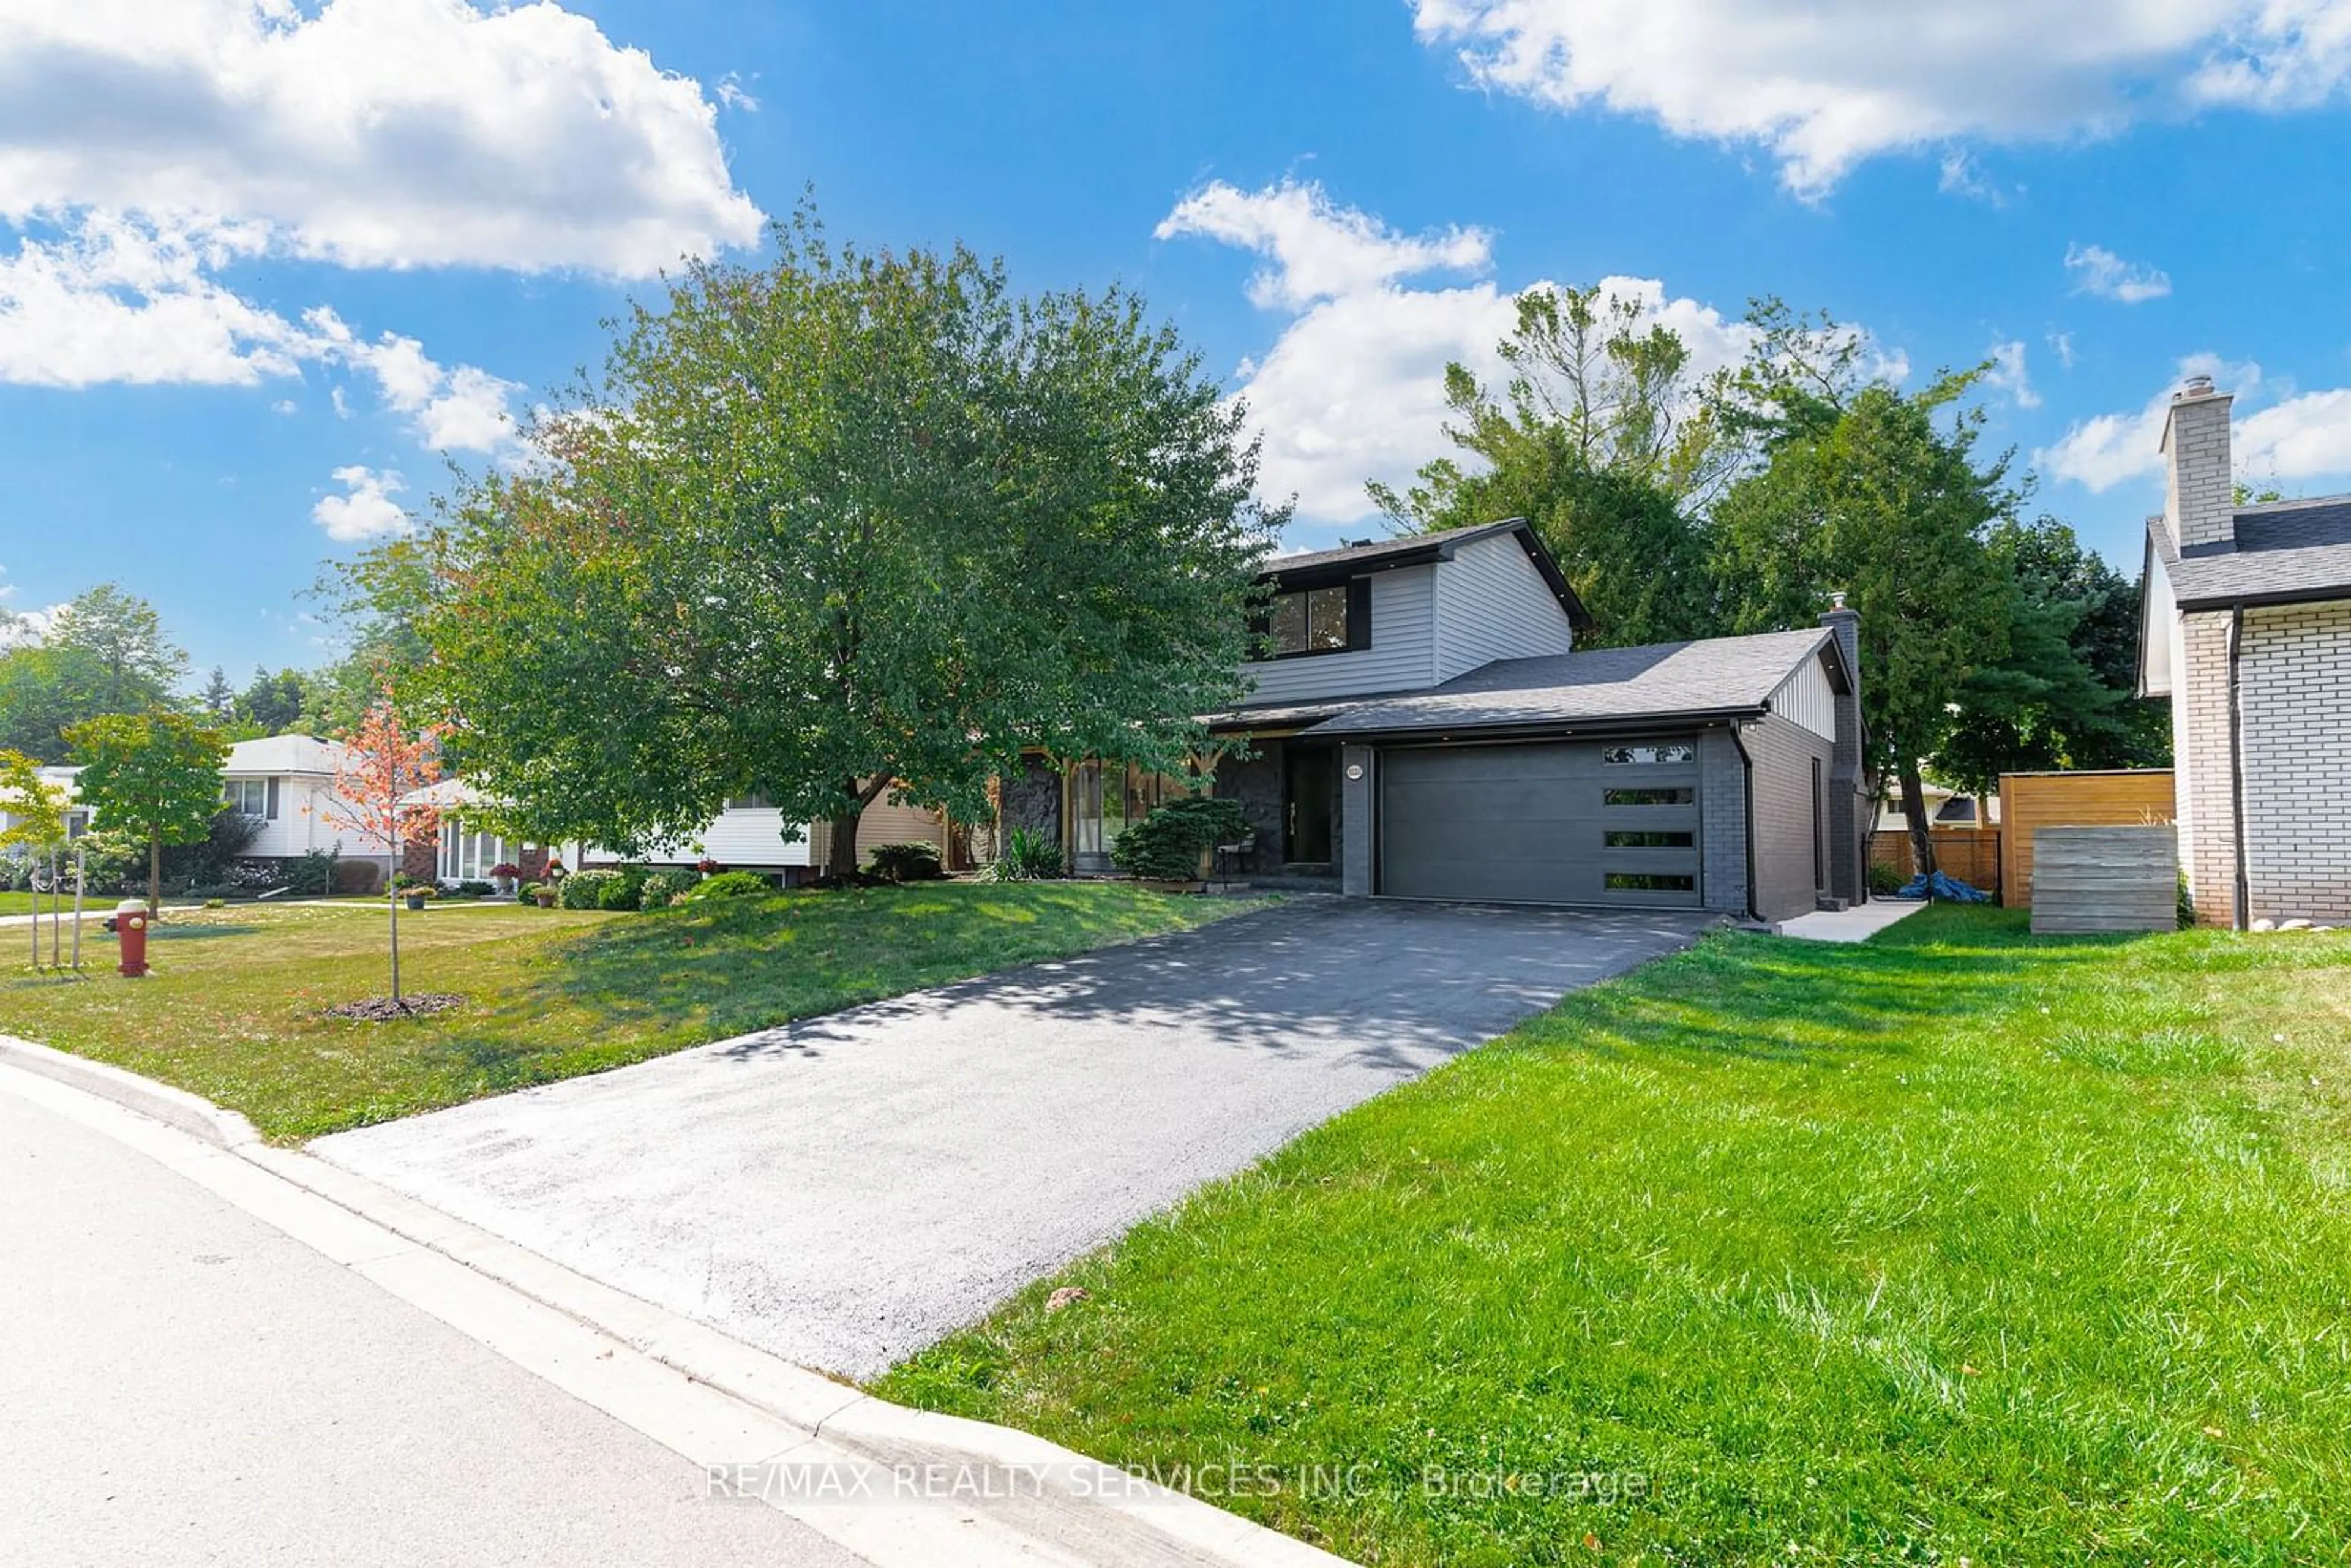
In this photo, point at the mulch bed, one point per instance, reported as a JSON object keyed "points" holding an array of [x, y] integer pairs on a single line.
{"points": [[383, 1010]]}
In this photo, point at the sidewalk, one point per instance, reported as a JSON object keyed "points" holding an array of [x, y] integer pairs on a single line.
{"points": [[1859, 923], [829, 1474]]}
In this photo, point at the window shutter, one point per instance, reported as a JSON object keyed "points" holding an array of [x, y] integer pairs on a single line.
{"points": [[1359, 612], [271, 810]]}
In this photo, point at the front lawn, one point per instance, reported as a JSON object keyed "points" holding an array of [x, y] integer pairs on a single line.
{"points": [[1955, 1246], [236, 1008]]}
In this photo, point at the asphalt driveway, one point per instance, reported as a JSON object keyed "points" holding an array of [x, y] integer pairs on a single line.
{"points": [[845, 1190]]}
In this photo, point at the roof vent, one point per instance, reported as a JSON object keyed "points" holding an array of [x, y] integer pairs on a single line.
{"points": [[2198, 386]]}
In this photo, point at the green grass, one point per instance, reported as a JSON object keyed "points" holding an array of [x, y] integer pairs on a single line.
{"points": [[1958, 1246], [235, 1007]]}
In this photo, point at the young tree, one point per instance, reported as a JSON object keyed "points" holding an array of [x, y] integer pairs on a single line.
{"points": [[850, 524], [1866, 492], [156, 775], [35, 813], [387, 759]]}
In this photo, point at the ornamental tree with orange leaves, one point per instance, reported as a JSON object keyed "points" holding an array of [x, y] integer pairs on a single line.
{"points": [[385, 761]]}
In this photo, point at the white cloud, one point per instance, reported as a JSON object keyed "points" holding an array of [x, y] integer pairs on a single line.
{"points": [[460, 410], [119, 300], [2305, 436], [2111, 449], [1354, 387], [2008, 374], [368, 132], [284, 406], [734, 96], [1319, 250], [2102, 273], [2061, 345], [1823, 87], [1963, 174], [366, 509]]}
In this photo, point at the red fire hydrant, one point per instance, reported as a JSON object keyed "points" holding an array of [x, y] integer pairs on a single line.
{"points": [[131, 929]]}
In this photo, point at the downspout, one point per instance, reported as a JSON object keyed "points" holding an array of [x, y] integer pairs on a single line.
{"points": [[1747, 793], [2242, 915]]}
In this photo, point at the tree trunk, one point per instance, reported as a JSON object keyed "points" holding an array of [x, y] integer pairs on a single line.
{"points": [[391, 888], [841, 839], [1914, 814], [154, 874]]}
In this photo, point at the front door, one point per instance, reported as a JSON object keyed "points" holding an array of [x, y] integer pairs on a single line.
{"points": [[1306, 786]]}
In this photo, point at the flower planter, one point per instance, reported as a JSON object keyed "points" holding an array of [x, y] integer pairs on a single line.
{"points": [[415, 902], [544, 899]]}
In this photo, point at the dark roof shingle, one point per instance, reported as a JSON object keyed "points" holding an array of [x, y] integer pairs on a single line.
{"points": [[2286, 550], [1662, 681]]}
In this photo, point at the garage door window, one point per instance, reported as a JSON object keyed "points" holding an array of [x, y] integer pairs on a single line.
{"points": [[1649, 882], [1649, 797], [1646, 755], [1649, 839]]}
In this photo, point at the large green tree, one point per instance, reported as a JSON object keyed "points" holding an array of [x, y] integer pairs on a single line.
{"points": [[106, 651], [152, 775], [2064, 694], [133, 665], [1607, 442], [1882, 495], [848, 522]]}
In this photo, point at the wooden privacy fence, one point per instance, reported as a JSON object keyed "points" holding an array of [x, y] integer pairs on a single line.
{"points": [[2029, 803], [1970, 854], [2106, 879]]}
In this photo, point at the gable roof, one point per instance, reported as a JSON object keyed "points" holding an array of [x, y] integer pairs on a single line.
{"points": [[2285, 552], [1721, 677], [1318, 569], [283, 754]]}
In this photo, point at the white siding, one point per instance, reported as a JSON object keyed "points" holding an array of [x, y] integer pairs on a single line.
{"points": [[744, 836], [1491, 604], [303, 804], [1807, 699], [1402, 656]]}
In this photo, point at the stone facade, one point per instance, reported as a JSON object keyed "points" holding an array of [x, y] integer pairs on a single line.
{"points": [[1255, 783], [2294, 675], [1722, 822], [2201, 766], [1032, 800]]}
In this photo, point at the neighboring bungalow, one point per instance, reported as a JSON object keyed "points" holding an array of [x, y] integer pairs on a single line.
{"points": [[1945, 809], [285, 783], [747, 834], [1422, 726], [2245, 624]]}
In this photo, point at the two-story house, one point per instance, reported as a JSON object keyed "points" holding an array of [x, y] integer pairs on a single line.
{"points": [[2245, 624], [1422, 724]]}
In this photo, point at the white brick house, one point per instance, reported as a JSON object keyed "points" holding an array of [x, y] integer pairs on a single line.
{"points": [[2245, 624]]}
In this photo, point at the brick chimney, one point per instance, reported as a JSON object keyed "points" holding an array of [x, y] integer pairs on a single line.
{"points": [[2199, 502], [1848, 820]]}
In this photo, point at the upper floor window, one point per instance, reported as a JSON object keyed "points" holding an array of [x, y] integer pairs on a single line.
{"points": [[1315, 620], [751, 802], [1673, 752], [249, 795]]}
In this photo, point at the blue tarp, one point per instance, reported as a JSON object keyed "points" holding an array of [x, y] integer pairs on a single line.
{"points": [[1949, 889]]}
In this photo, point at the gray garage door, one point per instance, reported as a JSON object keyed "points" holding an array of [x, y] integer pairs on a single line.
{"points": [[1572, 822]]}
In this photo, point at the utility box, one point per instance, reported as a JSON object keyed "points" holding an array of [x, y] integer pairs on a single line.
{"points": [[2105, 878]]}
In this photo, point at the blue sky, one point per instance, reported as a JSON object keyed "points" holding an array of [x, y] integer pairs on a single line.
{"points": [[266, 267]]}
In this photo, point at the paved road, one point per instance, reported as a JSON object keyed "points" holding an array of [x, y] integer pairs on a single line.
{"points": [[843, 1191], [182, 1384]]}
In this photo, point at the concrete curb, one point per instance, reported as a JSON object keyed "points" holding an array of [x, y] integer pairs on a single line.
{"points": [[190, 1114], [1071, 1507]]}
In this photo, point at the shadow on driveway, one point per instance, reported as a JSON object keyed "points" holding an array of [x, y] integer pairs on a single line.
{"points": [[844, 1190]]}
